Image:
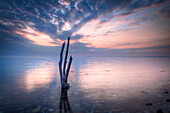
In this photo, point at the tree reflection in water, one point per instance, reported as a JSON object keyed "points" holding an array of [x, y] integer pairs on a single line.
{"points": [[64, 105]]}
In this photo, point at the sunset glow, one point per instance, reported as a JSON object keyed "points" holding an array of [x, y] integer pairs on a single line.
{"points": [[115, 34], [97, 27], [38, 37], [84, 56]]}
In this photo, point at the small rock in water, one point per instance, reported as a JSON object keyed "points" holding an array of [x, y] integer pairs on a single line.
{"points": [[166, 92], [114, 95], [36, 109], [168, 100], [50, 110], [116, 109], [148, 104], [144, 92], [159, 111], [76, 93]]}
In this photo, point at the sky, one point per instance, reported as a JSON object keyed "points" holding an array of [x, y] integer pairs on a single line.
{"points": [[96, 27]]}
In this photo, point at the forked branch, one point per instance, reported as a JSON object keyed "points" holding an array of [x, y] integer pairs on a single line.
{"points": [[64, 74]]}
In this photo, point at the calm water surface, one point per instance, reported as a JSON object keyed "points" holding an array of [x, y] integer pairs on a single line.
{"points": [[98, 84]]}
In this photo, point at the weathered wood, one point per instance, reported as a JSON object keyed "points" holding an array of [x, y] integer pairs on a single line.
{"points": [[63, 72], [68, 68], [60, 62], [65, 61]]}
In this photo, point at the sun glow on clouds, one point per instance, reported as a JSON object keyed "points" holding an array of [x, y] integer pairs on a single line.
{"points": [[66, 27], [133, 30], [37, 37], [103, 35], [123, 33], [62, 2]]}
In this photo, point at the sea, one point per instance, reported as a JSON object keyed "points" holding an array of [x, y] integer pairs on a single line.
{"points": [[97, 85]]}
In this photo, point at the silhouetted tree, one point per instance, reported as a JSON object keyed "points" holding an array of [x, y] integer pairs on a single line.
{"points": [[63, 72]]}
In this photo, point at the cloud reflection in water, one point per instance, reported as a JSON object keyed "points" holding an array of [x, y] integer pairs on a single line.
{"points": [[40, 75], [126, 77]]}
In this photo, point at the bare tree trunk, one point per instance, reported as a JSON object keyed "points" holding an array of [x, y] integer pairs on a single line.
{"points": [[68, 68], [60, 62], [65, 61], [64, 74]]}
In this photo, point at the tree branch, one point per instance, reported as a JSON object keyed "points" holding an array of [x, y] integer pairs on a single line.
{"points": [[65, 61], [60, 62], [68, 68]]}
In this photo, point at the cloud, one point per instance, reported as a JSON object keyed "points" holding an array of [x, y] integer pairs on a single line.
{"points": [[38, 37], [140, 4], [165, 12], [110, 24], [116, 34], [62, 2], [66, 27]]}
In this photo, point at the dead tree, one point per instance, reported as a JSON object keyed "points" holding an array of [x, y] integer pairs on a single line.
{"points": [[63, 72]]}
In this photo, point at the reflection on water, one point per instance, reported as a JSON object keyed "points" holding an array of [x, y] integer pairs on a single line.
{"points": [[39, 75], [129, 75], [64, 103], [98, 84], [116, 73]]}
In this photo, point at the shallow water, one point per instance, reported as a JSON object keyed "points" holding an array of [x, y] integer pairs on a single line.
{"points": [[98, 84]]}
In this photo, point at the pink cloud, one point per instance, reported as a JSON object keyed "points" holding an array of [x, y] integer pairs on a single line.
{"points": [[38, 37], [147, 34]]}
